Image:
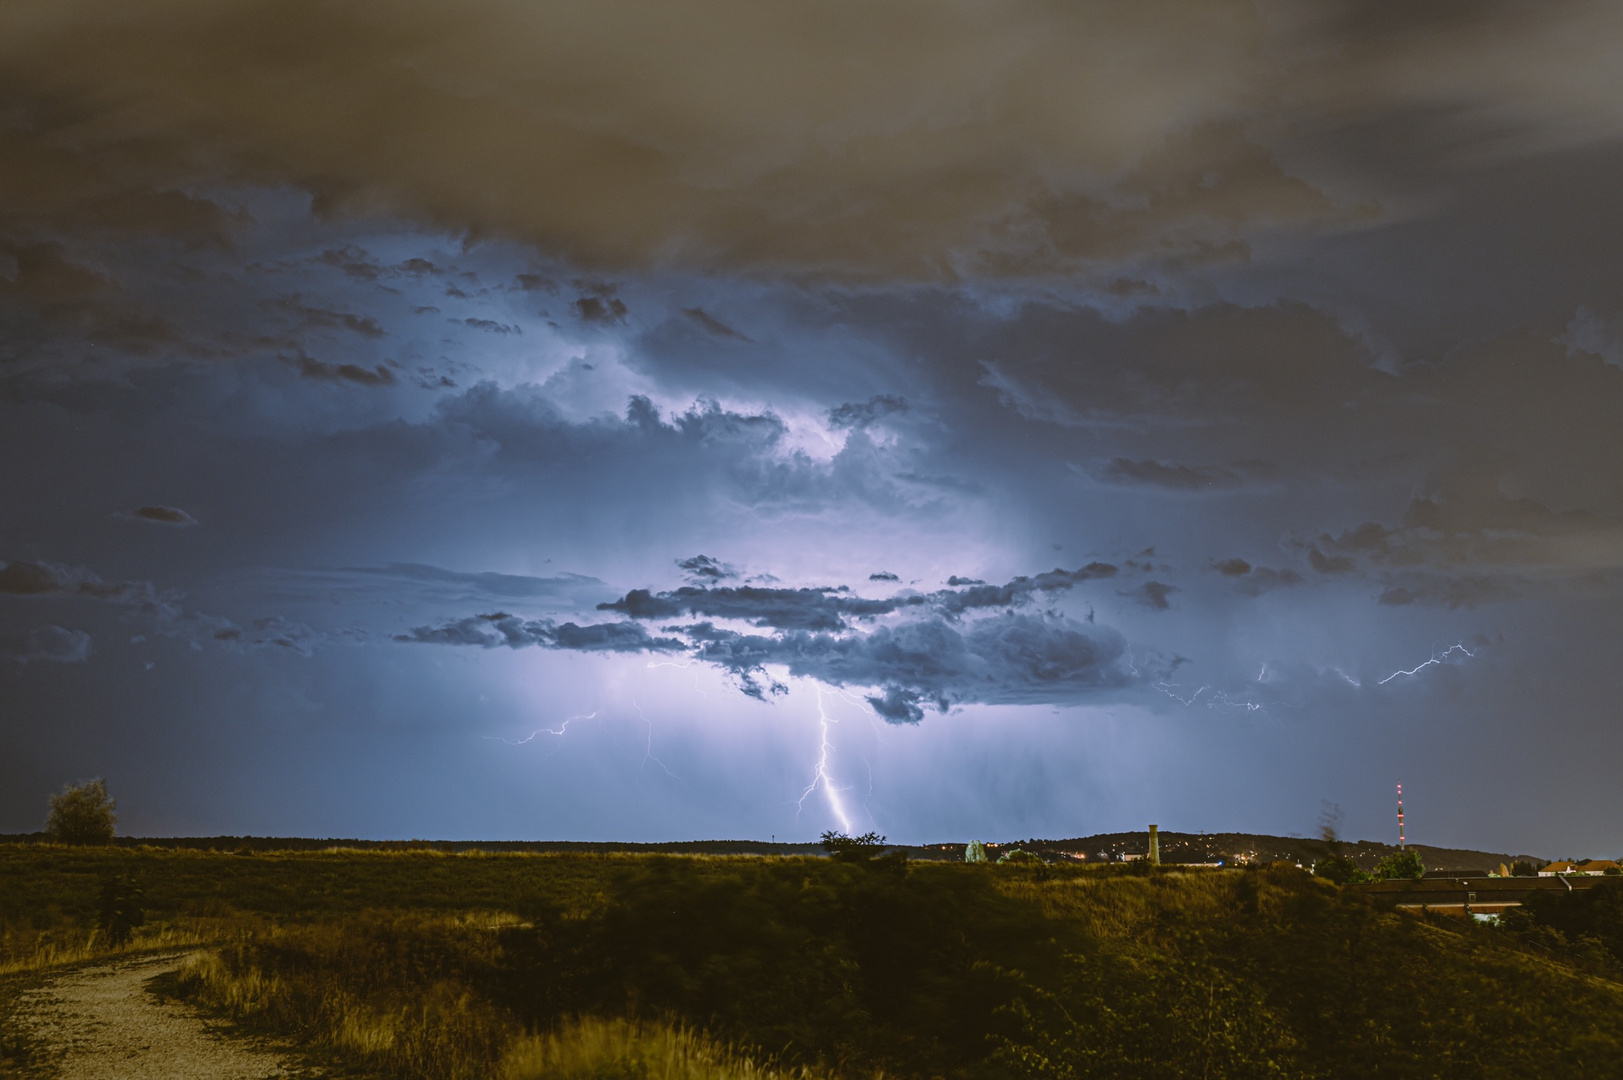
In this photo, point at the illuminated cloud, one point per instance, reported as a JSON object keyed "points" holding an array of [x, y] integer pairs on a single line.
{"points": [[638, 356]]}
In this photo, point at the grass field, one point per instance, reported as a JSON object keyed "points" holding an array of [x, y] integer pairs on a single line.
{"points": [[431, 965]]}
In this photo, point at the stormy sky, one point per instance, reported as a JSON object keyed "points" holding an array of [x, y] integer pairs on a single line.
{"points": [[644, 421]]}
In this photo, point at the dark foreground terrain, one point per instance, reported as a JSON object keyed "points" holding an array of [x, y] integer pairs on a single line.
{"points": [[1230, 849], [430, 964]]}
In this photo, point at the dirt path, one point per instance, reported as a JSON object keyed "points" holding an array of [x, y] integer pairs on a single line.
{"points": [[101, 1023]]}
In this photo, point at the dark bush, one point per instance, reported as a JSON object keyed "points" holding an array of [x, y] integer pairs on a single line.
{"points": [[82, 814]]}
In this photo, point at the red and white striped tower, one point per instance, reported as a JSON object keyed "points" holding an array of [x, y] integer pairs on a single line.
{"points": [[1400, 816]]}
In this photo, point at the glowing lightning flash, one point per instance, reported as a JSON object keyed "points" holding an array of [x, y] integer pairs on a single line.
{"points": [[820, 774], [1436, 658], [1218, 699], [648, 747], [559, 730]]}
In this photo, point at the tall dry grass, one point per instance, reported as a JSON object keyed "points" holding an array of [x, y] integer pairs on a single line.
{"points": [[361, 1005], [24, 949], [596, 1049]]}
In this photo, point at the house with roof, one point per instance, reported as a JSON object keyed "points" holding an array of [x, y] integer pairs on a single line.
{"points": [[1588, 867]]}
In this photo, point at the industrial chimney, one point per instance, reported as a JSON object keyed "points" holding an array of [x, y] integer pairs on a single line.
{"points": [[1155, 845]]}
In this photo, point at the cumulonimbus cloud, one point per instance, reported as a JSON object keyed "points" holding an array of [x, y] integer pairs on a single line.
{"points": [[970, 642], [904, 140]]}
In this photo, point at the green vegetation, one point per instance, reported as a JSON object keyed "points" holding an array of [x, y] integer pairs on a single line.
{"points": [[1399, 864], [82, 814], [1343, 871], [1584, 926], [426, 965], [1020, 857]]}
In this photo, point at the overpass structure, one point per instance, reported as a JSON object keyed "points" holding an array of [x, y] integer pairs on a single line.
{"points": [[1469, 894]]}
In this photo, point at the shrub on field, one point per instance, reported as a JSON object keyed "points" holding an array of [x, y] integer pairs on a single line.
{"points": [[82, 814], [590, 1049]]}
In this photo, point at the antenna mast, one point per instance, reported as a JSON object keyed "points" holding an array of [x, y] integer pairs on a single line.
{"points": [[1401, 844]]}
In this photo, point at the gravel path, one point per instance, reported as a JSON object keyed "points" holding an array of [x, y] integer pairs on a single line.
{"points": [[101, 1023]]}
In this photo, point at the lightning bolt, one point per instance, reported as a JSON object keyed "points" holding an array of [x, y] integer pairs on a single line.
{"points": [[1436, 658], [648, 747], [559, 730], [691, 665], [867, 710], [820, 777], [1217, 699]]}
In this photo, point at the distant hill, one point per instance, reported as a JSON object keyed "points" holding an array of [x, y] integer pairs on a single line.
{"points": [[1241, 848], [1228, 848]]}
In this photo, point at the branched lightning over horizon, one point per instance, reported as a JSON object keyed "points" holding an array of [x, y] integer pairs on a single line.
{"points": [[820, 774], [1436, 658], [559, 730], [648, 747], [1217, 698]]}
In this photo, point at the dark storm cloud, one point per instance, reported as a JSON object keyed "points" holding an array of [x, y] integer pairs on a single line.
{"points": [[708, 450], [1154, 595], [831, 608], [1174, 476], [1472, 526], [309, 317], [711, 324], [534, 283], [1016, 279], [808, 609], [499, 628], [704, 568], [883, 575], [1329, 564], [53, 644], [601, 310], [931, 653], [45, 579], [1464, 591], [972, 596], [163, 515], [1504, 438], [860, 415], [160, 612], [350, 373], [52, 300], [398, 582], [270, 632], [354, 262], [634, 147], [1013, 658], [491, 326], [1261, 579]]}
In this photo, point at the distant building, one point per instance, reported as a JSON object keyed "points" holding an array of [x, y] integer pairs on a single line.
{"points": [[1590, 867]]}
